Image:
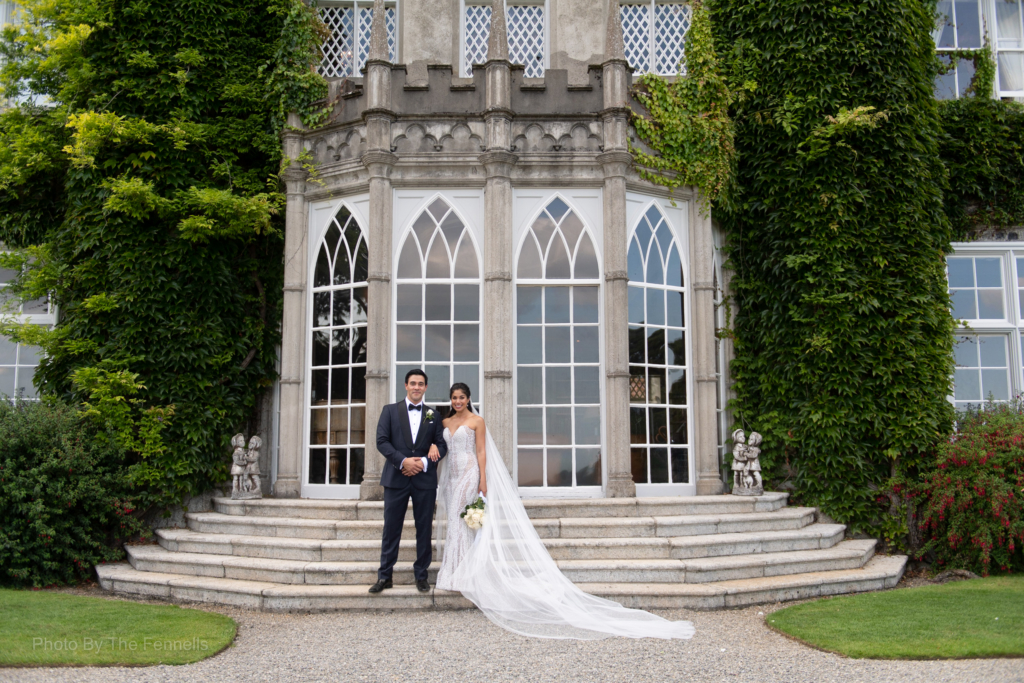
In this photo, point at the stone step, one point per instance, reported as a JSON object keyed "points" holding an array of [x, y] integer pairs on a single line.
{"points": [[537, 508], [844, 555], [816, 536], [553, 527], [879, 573]]}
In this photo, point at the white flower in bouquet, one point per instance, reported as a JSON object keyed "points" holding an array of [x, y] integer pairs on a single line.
{"points": [[474, 515]]}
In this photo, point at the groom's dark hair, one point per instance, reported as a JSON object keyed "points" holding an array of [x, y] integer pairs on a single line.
{"points": [[416, 371]]}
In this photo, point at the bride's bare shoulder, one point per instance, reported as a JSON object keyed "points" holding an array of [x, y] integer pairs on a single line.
{"points": [[476, 423]]}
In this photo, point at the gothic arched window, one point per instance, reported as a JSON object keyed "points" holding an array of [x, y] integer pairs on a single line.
{"points": [[437, 304], [338, 383], [558, 352], [657, 355]]}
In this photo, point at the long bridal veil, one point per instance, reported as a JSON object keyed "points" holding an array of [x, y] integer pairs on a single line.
{"points": [[510, 576]]}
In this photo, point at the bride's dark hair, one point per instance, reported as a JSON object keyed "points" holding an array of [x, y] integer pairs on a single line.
{"points": [[464, 388]]}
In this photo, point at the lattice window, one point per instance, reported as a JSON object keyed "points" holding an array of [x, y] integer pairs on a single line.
{"points": [[526, 36], [558, 343], [346, 50], [658, 425], [655, 31], [438, 304], [338, 378]]}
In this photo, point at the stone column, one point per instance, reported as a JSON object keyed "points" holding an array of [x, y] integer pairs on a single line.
{"points": [[293, 328], [615, 161], [379, 161], [499, 318], [702, 338]]}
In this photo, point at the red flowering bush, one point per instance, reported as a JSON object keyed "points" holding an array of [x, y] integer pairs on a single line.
{"points": [[65, 500], [970, 500]]}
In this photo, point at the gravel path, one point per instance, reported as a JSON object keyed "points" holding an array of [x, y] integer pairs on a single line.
{"points": [[463, 646]]}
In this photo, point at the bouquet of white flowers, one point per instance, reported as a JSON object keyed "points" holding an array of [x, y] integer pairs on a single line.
{"points": [[475, 514]]}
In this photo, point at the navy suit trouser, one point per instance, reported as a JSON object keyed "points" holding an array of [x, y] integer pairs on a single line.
{"points": [[395, 503]]}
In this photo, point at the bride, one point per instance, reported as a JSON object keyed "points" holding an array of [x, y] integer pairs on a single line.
{"points": [[504, 568]]}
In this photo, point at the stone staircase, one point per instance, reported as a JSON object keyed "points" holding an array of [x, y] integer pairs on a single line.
{"points": [[703, 552]]}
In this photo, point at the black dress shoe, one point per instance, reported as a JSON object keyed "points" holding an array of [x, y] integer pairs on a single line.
{"points": [[422, 586], [380, 585]]}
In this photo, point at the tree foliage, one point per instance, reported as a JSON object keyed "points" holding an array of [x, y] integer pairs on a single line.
{"points": [[837, 236], [140, 170]]}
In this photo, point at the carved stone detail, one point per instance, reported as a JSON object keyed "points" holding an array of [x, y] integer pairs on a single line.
{"points": [[746, 464], [557, 136], [245, 468]]}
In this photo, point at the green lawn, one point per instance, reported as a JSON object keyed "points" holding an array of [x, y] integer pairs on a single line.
{"points": [[976, 618], [39, 628]]}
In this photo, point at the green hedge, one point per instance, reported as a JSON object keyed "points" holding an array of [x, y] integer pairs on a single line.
{"points": [[65, 500], [837, 236]]}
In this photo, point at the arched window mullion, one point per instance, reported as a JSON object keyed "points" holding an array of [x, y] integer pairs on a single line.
{"points": [[338, 362]]}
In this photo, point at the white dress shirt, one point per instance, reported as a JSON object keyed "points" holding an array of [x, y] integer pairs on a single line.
{"points": [[415, 419]]}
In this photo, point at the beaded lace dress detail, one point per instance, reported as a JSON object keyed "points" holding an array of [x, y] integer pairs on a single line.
{"points": [[465, 486]]}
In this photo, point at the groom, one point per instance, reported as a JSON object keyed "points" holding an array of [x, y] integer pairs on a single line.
{"points": [[406, 433]]}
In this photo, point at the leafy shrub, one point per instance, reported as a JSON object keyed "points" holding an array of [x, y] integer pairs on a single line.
{"points": [[971, 498], [147, 198], [836, 235], [65, 500]]}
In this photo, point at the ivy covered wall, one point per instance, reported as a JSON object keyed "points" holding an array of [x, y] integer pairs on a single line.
{"points": [[145, 183], [837, 233]]}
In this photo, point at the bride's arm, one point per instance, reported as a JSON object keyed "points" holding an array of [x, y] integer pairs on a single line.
{"points": [[481, 454]]}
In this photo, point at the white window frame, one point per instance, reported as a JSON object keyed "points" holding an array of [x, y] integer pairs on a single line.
{"points": [[320, 217], [989, 34], [467, 205], [357, 5], [465, 67], [1012, 326], [527, 206], [652, 40], [48, 319]]}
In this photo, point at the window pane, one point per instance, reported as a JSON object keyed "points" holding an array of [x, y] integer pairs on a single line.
{"points": [[588, 386], [528, 346], [968, 24], [339, 347], [467, 343], [964, 75], [993, 351], [680, 466], [437, 342], [637, 347], [409, 264], [342, 307], [656, 345], [990, 304], [530, 426], [559, 467], [990, 272], [408, 342], [655, 307], [1008, 26], [339, 385], [638, 464], [526, 38], [530, 385], [659, 465], [8, 352], [961, 271], [556, 304], [658, 425], [440, 381], [584, 305], [528, 304], [438, 302], [676, 347], [557, 348], [946, 33], [588, 467], [559, 426], [1011, 71], [558, 386], [467, 302], [317, 466], [994, 384], [531, 467], [410, 302], [588, 425], [963, 304], [318, 387], [470, 376], [965, 351], [636, 305], [585, 344]]}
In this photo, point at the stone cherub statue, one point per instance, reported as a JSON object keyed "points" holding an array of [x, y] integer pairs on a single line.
{"points": [[746, 464], [245, 468]]}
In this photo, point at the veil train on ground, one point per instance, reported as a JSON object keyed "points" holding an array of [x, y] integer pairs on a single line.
{"points": [[510, 576]]}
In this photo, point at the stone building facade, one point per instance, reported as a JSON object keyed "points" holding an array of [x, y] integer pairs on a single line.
{"points": [[474, 212]]}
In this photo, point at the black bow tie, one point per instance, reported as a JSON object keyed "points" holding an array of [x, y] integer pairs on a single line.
{"points": [[412, 407]]}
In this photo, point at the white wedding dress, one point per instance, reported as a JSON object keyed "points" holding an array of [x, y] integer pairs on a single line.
{"points": [[504, 568]]}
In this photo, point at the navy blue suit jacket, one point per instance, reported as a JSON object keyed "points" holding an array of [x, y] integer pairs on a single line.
{"points": [[395, 443]]}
